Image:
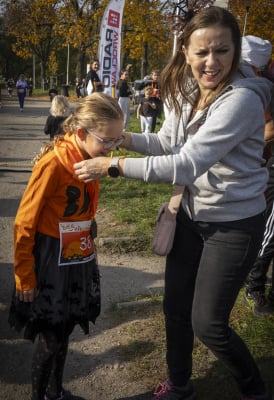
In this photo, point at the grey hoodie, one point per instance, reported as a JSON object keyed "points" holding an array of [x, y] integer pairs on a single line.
{"points": [[218, 157]]}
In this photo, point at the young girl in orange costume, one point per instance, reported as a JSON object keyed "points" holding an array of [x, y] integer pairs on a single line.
{"points": [[56, 275]]}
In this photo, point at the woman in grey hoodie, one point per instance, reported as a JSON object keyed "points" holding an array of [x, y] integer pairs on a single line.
{"points": [[212, 143]]}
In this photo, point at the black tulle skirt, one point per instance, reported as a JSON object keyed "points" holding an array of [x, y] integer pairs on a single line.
{"points": [[66, 295]]}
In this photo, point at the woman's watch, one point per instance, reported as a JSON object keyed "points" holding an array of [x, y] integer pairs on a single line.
{"points": [[113, 169]]}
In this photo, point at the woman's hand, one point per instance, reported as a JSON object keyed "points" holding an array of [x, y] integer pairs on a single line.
{"points": [[92, 169], [26, 295]]}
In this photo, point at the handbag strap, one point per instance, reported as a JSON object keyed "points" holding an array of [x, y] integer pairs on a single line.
{"points": [[176, 198]]}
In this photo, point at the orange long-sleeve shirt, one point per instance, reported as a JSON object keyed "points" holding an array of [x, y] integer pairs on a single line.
{"points": [[53, 194]]}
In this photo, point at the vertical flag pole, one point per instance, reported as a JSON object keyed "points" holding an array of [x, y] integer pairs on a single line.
{"points": [[247, 7], [109, 49], [177, 12], [181, 5], [68, 66]]}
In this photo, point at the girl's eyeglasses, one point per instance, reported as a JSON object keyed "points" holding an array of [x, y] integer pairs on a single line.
{"points": [[108, 144]]}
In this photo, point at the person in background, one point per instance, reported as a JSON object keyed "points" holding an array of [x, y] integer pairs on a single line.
{"points": [[270, 75], [56, 274], [59, 111], [21, 87], [153, 81], [256, 52], [10, 86], [30, 86], [83, 89], [146, 110], [124, 93], [93, 83], [53, 92], [156, 93], [78, 85], [138, 92], [46, 83], [211, 143]]}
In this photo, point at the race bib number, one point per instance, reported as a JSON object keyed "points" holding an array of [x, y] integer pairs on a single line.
{"points": [[76, 244]]}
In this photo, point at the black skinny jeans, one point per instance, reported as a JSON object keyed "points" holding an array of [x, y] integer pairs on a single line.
{"points": [[205, 271]]}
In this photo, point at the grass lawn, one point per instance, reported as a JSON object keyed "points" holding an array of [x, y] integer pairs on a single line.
{"points": [[142, 336], [131, 205]]}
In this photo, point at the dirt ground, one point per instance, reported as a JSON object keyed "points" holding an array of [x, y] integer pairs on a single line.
{"points": [[95, 369]]}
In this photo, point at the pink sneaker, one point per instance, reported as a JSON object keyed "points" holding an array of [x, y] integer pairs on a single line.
{"points": [[167, 391]]}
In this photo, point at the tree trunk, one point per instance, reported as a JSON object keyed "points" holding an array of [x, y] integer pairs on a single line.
{"points": [[144, 61], [81, 64], [43, 75]]}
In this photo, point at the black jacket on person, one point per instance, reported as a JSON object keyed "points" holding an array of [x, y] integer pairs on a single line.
{"points": [[123, 87], [52, 92], [94, 78], [54, 126]]}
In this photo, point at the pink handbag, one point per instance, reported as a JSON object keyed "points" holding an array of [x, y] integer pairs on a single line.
{"points": [[165, 227]]}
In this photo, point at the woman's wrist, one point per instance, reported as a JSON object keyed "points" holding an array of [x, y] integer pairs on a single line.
{"points": [[121, 166], [126, 143]]}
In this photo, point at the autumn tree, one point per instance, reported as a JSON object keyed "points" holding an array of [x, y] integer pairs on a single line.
{"points": [[8, 60], [35, 32], [49, 25], [257, 16], [147, 40], [79, 25], [144, 36]]}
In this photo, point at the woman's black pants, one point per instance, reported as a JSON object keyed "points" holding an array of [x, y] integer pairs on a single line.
{"points": [[205, 271]]}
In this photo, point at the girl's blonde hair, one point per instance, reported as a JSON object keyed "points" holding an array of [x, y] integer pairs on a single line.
{"points": [[60, 106], [91, 112]]}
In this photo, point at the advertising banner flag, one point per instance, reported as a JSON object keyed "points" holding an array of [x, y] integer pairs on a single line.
{"points": [[109, 50]]}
